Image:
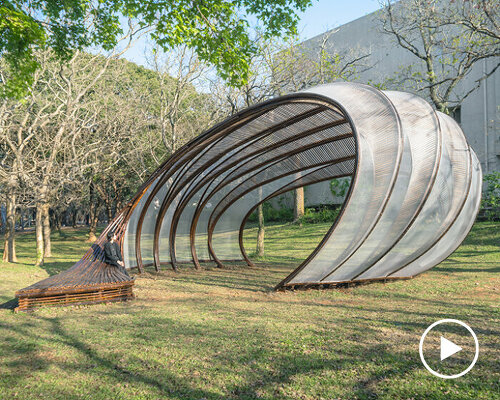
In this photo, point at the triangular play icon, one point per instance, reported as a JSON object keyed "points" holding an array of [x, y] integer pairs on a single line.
{"points": [[448, 348]]}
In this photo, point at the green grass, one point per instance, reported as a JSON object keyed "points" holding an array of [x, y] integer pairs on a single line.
{"points": [[225, 334]]}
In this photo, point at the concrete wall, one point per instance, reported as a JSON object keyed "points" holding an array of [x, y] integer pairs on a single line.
{"points": [[480, 112], [314, 195]]}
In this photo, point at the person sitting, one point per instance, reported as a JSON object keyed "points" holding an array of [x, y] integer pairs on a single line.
{"points": [[113, 255]]}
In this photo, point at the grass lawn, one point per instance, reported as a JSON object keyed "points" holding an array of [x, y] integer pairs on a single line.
{"points": [[220, 334]]}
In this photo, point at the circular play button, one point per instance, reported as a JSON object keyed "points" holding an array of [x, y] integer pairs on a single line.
{"points": [[448, 348]]}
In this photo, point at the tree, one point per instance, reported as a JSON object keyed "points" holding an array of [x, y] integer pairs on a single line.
{"points": [[8, 181], [291, 68], [177, 108], [217, 30], [479, 17], [46, 141], [448, 40]]}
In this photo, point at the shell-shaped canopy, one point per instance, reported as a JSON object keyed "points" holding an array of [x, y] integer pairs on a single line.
{"points": [[414, 193]]}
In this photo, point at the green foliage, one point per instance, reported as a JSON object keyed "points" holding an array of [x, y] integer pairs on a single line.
{"points": [[19, 35], [340, 186], [319, 215], [271, 214], [491, 196], [312, 215], [218, 30]]}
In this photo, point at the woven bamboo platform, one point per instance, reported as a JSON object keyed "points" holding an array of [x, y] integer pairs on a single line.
{"points": [[88, 281]]}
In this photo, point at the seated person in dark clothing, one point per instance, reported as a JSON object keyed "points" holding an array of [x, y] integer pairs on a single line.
{"points": [[112, 253]]}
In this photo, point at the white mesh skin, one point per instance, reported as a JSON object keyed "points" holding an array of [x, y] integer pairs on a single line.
{"points": [[225, 239], [148, 225], [415, 185], [379, 153], [129, 255], [257, 155], [165, 230], [457, 232], [441, 207], [303, 179], [277, 126], [421, 149], [244, 200]]}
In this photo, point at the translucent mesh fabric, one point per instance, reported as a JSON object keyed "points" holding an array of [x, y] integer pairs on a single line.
{"points": [[260, 127], [271, 123], [323, 154], [210, 199], [257, 154], [166, 224], [457, 232], [197, 156], [379, 152], [129, 254], [421, 149], [441, 207], [148, 224], [227, 228], [225, 238], [331, 171], [336, 170], [295, 142]]}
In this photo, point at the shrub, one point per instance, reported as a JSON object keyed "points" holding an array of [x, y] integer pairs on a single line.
{"points": [[314, 215], [490, 204], [340, 186], [283, 214]]}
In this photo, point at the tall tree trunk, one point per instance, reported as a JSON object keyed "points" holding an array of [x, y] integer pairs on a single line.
{"points": [[21, 214], [46, 230], [118, 198], [93, 214], [57, 221], [74, 217], [298, 211], [261, 232], [109, 212], [9, 253], [39, 236], [119, 205], [92, 227], [2, 225]]}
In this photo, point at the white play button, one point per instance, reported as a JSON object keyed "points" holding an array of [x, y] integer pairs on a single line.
{"points": [[448, 348]]}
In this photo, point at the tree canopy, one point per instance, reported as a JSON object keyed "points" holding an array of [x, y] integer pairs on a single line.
{"points": [[217, 30]]}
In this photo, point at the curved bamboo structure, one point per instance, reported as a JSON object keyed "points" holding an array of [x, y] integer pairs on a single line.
{"points": [[414, 194]]}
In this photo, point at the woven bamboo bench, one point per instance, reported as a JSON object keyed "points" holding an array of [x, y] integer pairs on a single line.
{"points": [[88, 281]]}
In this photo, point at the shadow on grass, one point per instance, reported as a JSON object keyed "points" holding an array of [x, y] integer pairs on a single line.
{"points": [[491, 270], [9, 305], [261, 278], [264, 364], [257, 370]]}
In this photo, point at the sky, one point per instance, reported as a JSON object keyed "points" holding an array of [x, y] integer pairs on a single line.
{"points": [[328, 14], [317, 19]]}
